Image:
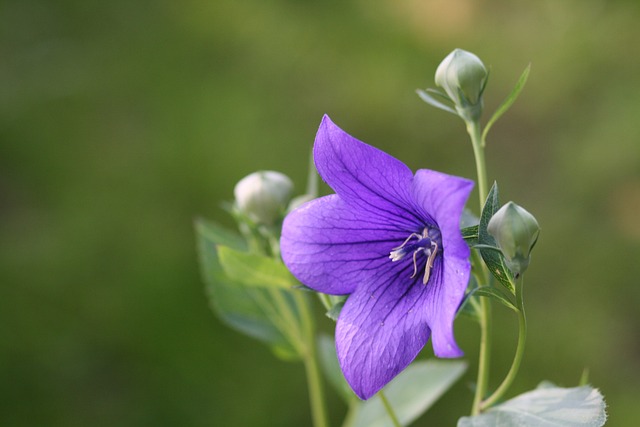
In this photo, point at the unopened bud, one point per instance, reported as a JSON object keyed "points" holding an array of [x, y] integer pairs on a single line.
{"points": [[463, 77], [263, 196], [516, 232]]}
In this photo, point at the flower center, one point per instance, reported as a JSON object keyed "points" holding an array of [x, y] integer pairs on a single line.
{"points": [[428, 243]]}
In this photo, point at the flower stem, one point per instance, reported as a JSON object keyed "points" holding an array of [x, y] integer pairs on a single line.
{"points": [[482, 381], [314, 379], [517, 358], [390, 412], [475, 132]]}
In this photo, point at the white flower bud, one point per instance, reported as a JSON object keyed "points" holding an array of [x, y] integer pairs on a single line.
{"points": [[263, 196], [463, 76], [516, 232]]}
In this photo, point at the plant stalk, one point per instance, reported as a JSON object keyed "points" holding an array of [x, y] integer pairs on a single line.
{"points": [[475, 132], [517, 358], [314, 378], [389, 409]]}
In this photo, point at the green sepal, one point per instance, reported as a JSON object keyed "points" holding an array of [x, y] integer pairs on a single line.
{"points": [[240, 307], [506, 104], [410, 394], [255, 270], [493, 259], [426, 97], [547, 405]]}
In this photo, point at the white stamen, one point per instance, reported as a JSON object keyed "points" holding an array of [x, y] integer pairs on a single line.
{"points": [[415, 265], [430, 260]]}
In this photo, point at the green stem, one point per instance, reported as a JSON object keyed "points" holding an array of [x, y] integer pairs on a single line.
{"points": [[517, 358], [387, 406], [475, 132], [482, 381], [302, 335], [314, 379]]}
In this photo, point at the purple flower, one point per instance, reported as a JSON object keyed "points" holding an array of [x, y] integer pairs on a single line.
{"points": [[392, 241]]}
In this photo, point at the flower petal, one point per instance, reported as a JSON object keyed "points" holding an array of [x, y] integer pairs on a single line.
{"points": [[362, 175], [442, 197], [446, 291], [331, 247], [381, 329], [445, 196]]}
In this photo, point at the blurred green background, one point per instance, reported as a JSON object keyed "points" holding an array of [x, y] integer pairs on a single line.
{"points": [[121, 121]]}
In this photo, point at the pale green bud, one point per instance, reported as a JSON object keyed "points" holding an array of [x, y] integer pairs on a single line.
{"points": [[263, 196], [516, 232], [463, 77]]}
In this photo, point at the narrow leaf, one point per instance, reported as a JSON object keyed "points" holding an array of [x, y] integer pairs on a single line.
{"points": [[411, 393], [547, 406], [469, 306], [506, 104], [214, 233], [470, 235], [255, 270], [434, 102], [493, 259], [495, 293], [584, 378]]}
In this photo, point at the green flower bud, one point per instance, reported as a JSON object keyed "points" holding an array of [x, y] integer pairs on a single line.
{"points": [[463, 77], [263, 196], [516, 232]]}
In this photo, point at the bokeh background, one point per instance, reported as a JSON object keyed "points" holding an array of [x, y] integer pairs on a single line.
{"points": [[122, 121]]}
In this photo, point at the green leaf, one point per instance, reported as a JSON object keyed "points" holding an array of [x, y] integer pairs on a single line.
{"points": [[243, 309], [434, 102], [547, 406], [411, 393], [493, 259], [331, 368], [506, 104], [495, 293], [212, 232], [470, 235], [255, 270]]}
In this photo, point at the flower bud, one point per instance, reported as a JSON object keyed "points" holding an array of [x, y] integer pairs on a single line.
{"points": [[263, 196], [463, 77], [516, 232]]}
